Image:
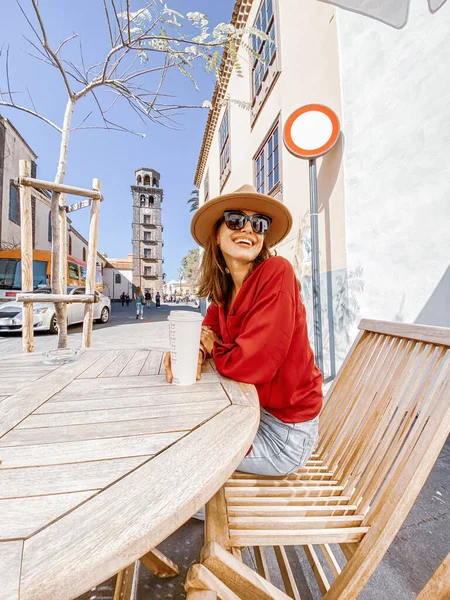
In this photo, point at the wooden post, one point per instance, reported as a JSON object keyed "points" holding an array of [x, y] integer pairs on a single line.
{"points": [[91, 266], [26, 234], [63, 246]]}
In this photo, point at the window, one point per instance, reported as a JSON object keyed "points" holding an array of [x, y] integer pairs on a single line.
{"points": [[147, 252], [155, 183], [206, 187], [147, 270], [146, 179], [151, 200], [142, 199], [147, 219], [33, 170], [84, 254], [73, 271], [224, 137], [78, 291], [49, 226], [147, 236], [118, 278], [83, 273], [14, 206], [139, 180], [264, 67], [267, 163], [70, 245], [33, 220]]}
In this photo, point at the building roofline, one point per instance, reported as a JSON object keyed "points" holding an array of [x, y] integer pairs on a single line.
{"points": [[6, 120], [239, 19]]}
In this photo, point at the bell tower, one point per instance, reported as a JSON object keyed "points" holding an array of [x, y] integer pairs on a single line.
{"points": [[147, 231]]}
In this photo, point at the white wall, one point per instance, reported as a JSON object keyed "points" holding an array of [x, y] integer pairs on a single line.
{"points": [[396, 94], [125, 285]]}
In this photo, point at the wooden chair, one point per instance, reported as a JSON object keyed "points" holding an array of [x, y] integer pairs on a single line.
{"points": [[384, 422], [438, 586]]}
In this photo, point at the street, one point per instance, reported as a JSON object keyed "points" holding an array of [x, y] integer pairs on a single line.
{"points": [[122, 330]]}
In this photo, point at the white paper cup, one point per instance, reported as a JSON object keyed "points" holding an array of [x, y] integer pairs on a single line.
{"points": [[185, 328]]}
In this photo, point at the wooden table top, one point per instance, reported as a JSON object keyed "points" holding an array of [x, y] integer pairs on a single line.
{"points": [[101, 460]]}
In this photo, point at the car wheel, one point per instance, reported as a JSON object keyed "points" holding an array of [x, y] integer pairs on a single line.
{"points": [[104, 315], [54, 324]]}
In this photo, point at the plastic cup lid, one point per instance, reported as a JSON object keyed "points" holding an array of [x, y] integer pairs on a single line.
{"points": [[184, 315]]}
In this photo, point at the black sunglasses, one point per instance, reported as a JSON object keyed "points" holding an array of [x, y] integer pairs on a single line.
{"points": [[236, 220]]}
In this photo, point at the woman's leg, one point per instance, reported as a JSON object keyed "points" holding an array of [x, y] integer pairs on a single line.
{"points": [[280, 448]]}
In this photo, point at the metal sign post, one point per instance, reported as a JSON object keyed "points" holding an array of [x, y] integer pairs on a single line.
{"points": [[310, 132]]}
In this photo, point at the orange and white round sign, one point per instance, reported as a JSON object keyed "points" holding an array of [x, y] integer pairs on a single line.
{"points": [[311, 131]]}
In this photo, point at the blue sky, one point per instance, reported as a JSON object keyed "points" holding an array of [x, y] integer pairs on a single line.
{"points": [[110, 156]]}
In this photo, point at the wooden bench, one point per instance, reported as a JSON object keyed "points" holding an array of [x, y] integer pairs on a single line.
{"points": [[384, 422]]}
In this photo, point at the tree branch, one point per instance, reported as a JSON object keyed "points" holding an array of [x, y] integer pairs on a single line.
{"points": [[30, 112]]}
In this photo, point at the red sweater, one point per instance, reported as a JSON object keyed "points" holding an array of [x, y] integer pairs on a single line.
{"points": [[265, 342]]}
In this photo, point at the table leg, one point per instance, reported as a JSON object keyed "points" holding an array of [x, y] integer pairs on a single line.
{"points": [[124, 583], [156, 562]]}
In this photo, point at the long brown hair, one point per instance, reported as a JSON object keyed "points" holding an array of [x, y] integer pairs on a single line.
{"points": [[214, 279]]}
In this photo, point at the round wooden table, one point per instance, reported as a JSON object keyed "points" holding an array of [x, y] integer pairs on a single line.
{"points": [[101, 460]]}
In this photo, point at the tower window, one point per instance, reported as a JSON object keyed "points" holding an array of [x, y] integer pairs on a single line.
{"points": [[155, 183], [142, 199], [147, 219], [139, 180], [146, 179], [151, 200]]}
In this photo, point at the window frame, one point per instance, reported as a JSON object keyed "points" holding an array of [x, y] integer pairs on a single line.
{"points": [[206, 185], [272, 69], [14, 218], [225, 145], [263, 149], [49, 226]]}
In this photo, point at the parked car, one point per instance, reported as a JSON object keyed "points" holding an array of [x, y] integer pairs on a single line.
{"points": [[44, 317]]}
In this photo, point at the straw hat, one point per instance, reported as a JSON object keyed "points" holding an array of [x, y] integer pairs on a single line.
{"points": [[245, 198]]}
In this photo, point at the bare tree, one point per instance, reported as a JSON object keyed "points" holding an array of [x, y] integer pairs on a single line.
{"points": [[143, 46]]}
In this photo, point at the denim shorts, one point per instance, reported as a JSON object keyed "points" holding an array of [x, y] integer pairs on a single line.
{"points": [[280, 448]]}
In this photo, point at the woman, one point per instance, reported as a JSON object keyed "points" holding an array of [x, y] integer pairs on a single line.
{"points": [[255, 327], [139, 303]]}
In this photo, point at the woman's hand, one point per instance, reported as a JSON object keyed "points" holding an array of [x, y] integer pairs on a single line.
{"points": [[207, 339], [168, 365]]}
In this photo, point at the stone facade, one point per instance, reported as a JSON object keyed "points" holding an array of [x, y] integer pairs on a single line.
{"points": [[147, 231]]}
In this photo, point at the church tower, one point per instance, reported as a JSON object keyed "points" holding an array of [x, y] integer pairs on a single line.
{"points": [[147, 231]]}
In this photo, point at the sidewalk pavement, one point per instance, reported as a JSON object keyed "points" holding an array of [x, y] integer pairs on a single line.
{"points": [[419, 548]]}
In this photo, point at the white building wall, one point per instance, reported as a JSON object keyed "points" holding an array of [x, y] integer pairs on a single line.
{"points": [[308, 58], [113, 289], [396, 94]]}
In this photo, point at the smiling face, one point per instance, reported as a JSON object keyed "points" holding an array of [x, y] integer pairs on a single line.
{"points": [[242, 246]]}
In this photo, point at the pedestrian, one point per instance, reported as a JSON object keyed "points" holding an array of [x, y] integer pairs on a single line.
{"points": [[255, 327], [122, 297], [158, 300], [148, 298], [127, 299], [140, 301]]}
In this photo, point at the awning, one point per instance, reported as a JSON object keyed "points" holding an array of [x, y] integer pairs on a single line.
{"points": [[391, 12]]}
